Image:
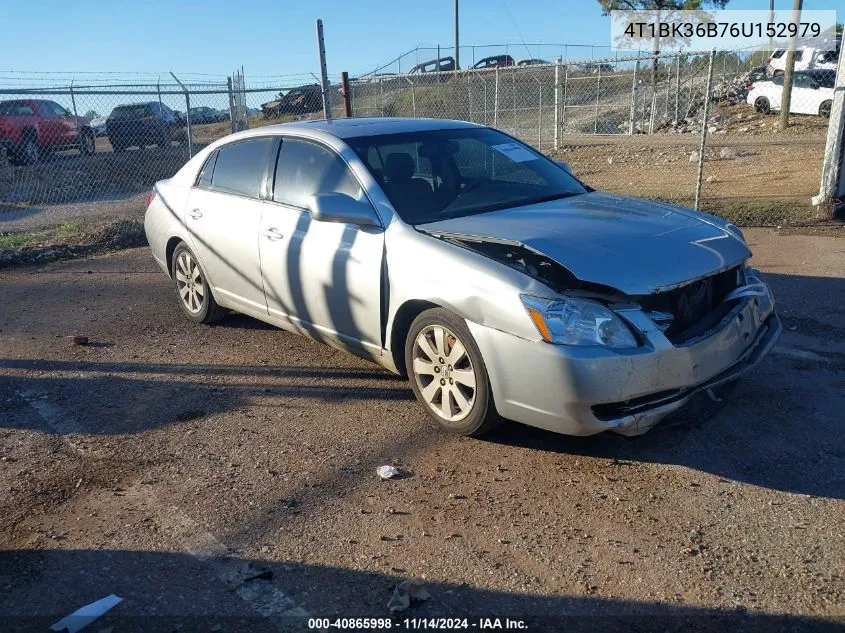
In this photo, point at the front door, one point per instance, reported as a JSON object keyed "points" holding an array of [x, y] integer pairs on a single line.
{"points": [[223, 217], [322, 277]]}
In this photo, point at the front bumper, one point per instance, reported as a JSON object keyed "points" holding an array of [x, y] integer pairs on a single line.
{"points": [[583, 391]]}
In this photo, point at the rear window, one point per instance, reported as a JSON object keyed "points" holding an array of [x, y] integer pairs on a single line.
{"points": [[13, 108], [241, 165], [131, 111]]}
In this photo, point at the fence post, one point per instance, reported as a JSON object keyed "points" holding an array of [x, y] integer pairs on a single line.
{"points": [[557, 104], [596, 115], [831, 167], [563, 105], [324, 79], [496, 101], [540, 118], [347, 98], [413, 96], [677, 85], [158, 89], [633, 99], [187, 115], [232, 123], [704, 131], [75, 116]]}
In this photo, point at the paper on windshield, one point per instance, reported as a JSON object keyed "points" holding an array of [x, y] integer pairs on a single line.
{"points": [[516, 152]]}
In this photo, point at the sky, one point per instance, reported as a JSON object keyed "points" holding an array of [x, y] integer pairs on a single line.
{"points": [[277, 37]]}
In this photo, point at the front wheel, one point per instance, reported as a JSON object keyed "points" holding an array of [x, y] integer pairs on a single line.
{"points": [[824, 109], [192, 288], [761, 104], [448, 374]]}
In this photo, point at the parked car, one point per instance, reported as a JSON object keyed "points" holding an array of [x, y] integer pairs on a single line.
{"points": [[532, 62], [32, 128], [806, 58], [140, 124], [455, 254], [812, 93], [204, 114], [300, 100], [439, 65], [495, 61], [98, 124]]}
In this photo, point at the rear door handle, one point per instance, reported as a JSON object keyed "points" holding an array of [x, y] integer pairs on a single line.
{"points": [[196, 214], [273, 234]]}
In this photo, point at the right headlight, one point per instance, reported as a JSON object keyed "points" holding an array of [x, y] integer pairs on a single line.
{"points": [[572, 321]]}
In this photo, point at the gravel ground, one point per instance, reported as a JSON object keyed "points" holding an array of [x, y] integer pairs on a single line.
{"points": [[171, 464]]}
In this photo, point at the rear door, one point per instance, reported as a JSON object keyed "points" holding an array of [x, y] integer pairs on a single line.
{"points": [[223, 217], [323, 277], [805, 99]]}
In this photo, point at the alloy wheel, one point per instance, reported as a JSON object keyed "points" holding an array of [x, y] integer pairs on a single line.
{"points": [[189, 282], [444, 373]]}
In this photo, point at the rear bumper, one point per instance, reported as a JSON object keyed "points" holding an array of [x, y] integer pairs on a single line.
{"points": [[583, 391]]}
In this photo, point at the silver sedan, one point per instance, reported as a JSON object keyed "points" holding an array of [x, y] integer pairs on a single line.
{"points": [[503, 286]]}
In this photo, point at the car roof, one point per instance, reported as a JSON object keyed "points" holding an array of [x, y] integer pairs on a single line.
{"points": [[366, 126]]}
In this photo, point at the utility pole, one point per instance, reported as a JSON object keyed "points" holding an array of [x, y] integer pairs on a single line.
{"points": [[786, 97], [457, 49]]}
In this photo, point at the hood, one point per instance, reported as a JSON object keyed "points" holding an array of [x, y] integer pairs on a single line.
{"points": [[636, 246]]}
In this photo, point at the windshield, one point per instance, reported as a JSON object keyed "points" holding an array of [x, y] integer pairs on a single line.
{"points": [[441, 174]]}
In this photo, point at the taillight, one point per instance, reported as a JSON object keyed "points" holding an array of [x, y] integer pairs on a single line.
{"points": [[150, 197]]}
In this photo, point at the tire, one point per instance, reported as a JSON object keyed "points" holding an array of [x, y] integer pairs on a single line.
{"points": [[165, 138], [192, 290], [87, 143], [777, 73], [117, 148], [469, 409], [28, 152], [824, 109], [762, 105]]}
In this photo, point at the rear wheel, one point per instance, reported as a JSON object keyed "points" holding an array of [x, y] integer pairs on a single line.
{"points": [[824, 109], [116, 147], [87, 143], [192, 288], [762, 105], [448, 374]]}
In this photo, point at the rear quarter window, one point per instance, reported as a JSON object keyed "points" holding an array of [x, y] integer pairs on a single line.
{"points": [[240, 166]]}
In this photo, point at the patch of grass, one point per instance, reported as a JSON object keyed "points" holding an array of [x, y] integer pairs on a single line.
{"points": [[16, 240], [67, 230]]}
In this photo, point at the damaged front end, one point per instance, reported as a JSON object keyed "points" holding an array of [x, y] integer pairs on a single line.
{"points": [[690, 336]]}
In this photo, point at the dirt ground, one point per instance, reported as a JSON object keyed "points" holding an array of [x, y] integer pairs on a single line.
{"points": [[223, 478]]}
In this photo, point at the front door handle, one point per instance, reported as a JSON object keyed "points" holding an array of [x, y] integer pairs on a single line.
{"points": [[196, 214], [273, 234]]}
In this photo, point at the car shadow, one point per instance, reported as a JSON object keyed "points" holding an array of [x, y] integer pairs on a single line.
{"points": [[168, 591]]}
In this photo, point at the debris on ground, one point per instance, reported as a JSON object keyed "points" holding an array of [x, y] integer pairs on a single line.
{"points": [[388, 472], [405, 592], [86, 615], [80, 340]]}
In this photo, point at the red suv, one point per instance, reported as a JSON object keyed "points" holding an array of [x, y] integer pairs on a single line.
{"points": [[32, 128]]}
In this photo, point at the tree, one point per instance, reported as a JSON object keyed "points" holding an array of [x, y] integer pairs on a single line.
{"points": [[92, 114], [839, 27], [658, 5]]}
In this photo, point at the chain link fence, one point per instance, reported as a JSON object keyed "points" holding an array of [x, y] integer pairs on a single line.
{"points": [[635, 126], [692, 129], [77, 157]]}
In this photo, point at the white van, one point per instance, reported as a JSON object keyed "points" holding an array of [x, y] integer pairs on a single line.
{"points": [[806, 58]]}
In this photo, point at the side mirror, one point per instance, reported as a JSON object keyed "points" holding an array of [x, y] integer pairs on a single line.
{"points": [[565, 167], [338, 207]]}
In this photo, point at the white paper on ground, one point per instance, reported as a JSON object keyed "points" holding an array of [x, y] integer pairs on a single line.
{"points": [[85, 615], [516, 152]]}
